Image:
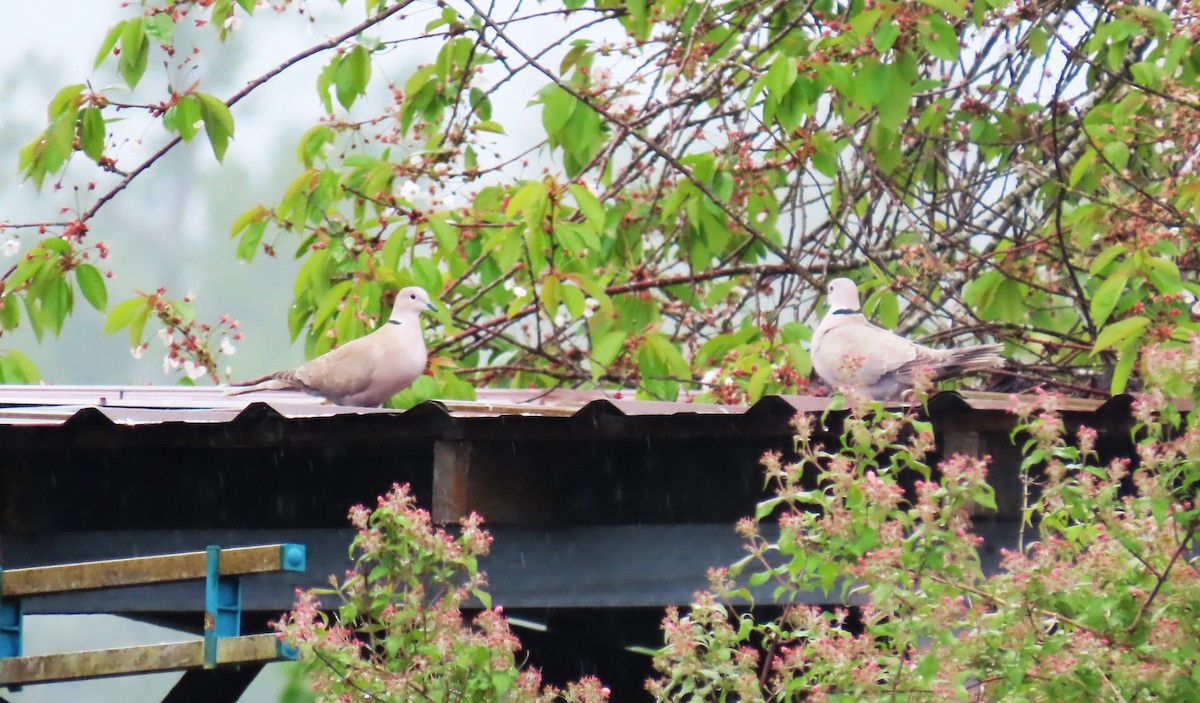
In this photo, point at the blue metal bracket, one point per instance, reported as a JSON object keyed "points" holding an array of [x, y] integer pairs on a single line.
{"points": [[292, 557], [10, 623], [287, 651], [222, 606]]}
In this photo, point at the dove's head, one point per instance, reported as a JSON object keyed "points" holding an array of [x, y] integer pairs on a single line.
{"points": [[411, 301], [843, 295]]}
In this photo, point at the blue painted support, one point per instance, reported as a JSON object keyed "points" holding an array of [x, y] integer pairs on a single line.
{"points": [[222, 606], [10, 623], [292, 557], [287, 651]]}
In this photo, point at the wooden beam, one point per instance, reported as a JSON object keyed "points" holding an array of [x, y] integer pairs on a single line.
{"points": [[136, 571], [175, 656]]}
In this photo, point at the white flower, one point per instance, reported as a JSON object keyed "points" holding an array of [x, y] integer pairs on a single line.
{"points": [[589, 307], [137, 351], [170, 364], [416, 160], [10, 248], [232, 23], [227, 347], [562, 318], [165, 336], [519, 291], [194, 370], [710, 377], [410, 190], [762, 216]]}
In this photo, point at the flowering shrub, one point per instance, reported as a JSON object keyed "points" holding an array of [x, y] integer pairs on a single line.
{"points": [[399, 632], [1098, 602]]}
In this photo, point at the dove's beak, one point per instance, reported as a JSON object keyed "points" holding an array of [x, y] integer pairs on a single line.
{"points": [[431, 306]]}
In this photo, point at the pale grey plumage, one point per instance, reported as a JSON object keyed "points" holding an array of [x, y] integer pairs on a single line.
{"points": [[849, 351], [365, 371]]}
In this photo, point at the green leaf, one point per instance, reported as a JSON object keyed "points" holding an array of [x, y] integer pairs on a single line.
{"points": [[885, 36], [187, 117], [488, 126], [1081, 167], [956, 8], [92, 133], [1117, 154], [1126, 358], [1106, 297], [91, 284], [123, 313], [65, 101], [606, 348], [134, 52], [248, 246], [160, 28], [557, 107], [218, 123], [944, 42], [1130, 327], [110, 41], [1164, 274], [27, 371], [589, 205], [1038, 41], [352, 75]]}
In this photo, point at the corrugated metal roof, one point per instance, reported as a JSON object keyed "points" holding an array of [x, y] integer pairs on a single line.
{"points": [[135, 405]]}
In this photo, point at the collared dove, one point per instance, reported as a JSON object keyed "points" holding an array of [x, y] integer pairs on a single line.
{"points": [[365, 371], [850, 351]]}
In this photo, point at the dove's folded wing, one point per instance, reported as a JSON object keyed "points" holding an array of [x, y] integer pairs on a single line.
{"points": [[873, 351], [343, 372]]}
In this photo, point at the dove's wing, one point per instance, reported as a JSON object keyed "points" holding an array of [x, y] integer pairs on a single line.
{"points": [[868, 351], [343, 372]]}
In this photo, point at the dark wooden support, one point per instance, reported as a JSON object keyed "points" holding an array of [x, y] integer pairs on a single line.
{"points": [[223, 685]]}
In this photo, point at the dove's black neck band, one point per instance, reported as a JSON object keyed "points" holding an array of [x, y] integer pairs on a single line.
{"points": [[846, 311], [394, 322]]}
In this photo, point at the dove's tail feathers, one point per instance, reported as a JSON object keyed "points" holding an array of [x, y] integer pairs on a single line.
{"points": [[969, 360], [278, 381]]}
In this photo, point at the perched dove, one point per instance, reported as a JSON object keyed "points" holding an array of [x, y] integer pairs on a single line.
{"points": [[849, 351], [365, 371]]}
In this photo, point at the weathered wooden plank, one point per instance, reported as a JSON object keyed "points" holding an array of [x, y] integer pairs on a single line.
{"points": [[175, 656], [163, 568]]}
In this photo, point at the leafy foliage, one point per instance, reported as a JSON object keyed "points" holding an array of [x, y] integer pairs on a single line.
{"points": [[1099, 606], [997, 168], [398, 632]]}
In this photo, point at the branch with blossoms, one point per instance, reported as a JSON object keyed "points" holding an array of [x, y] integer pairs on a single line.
{"points": [[397, 631]]}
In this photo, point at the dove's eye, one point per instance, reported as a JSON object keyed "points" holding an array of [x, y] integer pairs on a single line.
{"points": [[413, 296]]}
